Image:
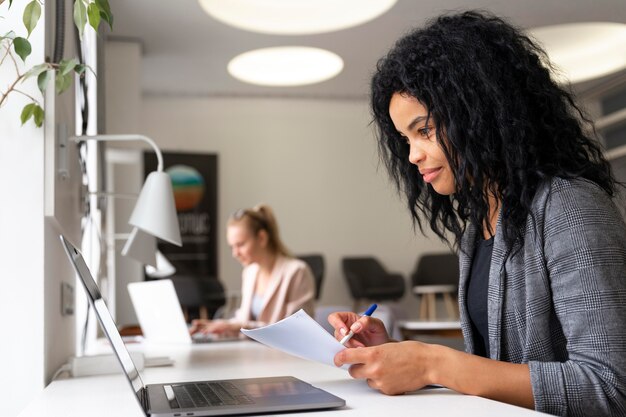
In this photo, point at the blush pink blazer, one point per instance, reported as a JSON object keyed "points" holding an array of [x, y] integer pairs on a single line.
{"points": [[292, 288]]}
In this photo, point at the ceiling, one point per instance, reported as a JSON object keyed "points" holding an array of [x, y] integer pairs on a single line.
{"points": [[185, 51]]}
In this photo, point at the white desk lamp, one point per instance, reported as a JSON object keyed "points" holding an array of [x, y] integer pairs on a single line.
{"points": [[154, 214], [141, 246], [163, 269]]}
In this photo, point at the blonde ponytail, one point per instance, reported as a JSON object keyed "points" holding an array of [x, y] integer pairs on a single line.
{"points": [[261, 217]]}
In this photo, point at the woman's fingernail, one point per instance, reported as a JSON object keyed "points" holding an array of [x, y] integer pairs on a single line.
{"points": [[356, 327], [343, 331]]}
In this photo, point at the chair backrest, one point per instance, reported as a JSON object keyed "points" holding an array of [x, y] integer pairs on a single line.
{"points": [[316, 263], [367, 278], [368, 268], [436, 269]]}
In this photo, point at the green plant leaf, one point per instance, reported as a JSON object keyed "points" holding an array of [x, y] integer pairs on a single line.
{"points": [[63, 82], [27, 112], [32, 12], [10, 3], [67, 65], [38, 115], [42, 80], [35, 71], [105, 11], [22, 47], [80, 68], [80, 16], [93, 13], [107, 18]]}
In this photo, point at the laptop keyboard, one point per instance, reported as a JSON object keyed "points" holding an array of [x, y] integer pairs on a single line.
{"points": [[205, 394]]}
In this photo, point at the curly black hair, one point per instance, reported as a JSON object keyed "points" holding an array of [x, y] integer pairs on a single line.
{"points": [[508, 125]]}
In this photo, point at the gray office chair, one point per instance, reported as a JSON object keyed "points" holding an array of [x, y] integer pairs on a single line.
{"points": [[368, 280], [316, 263], [436, 274]]}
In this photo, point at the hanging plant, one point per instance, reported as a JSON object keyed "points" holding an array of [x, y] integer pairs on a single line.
{"points": [[13, 47]]}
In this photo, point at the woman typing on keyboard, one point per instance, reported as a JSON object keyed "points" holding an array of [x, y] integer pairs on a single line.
{"points": [[274, 284]]}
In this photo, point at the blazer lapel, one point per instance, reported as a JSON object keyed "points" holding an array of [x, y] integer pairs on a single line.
{"points": [[277, 272], [247, 290], [495, 294], [465, 263]]}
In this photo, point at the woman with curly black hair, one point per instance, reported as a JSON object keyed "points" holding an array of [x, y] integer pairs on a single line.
{"points": [[488, 149]]}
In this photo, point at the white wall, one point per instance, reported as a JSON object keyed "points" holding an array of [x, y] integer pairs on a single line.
{"points": [[21, 239], [36, 338], [122, 62], [313, 161], [122, 83]]}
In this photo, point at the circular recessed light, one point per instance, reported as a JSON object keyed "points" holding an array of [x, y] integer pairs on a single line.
{"points": [[285, 66], [582, 51], [295, 17]]}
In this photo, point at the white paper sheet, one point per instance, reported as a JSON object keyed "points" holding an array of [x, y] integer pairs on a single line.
{"points": [[301, 336]]}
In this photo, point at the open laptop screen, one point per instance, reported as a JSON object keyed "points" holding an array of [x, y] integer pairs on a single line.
{"points": [[104, 316]]}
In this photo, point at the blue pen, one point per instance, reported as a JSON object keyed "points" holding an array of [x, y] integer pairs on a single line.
{"points": [[368, 313]]}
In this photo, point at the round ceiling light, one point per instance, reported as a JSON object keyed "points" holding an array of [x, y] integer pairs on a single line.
{"points": [[583, 51], [295, 17], [285, 66]]}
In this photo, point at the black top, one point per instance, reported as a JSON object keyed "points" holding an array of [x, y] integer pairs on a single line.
{"points": [[477, 295]]}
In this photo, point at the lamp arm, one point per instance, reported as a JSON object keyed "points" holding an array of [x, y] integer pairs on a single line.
{"points": [[121, 138]]}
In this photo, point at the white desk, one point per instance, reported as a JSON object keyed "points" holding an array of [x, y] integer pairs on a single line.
{"points": [[110, 395]]}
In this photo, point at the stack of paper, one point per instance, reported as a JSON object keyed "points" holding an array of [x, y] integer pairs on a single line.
{"points": [[301, 336]]}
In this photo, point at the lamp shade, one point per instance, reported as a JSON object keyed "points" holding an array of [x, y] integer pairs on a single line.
{"points": [[155, 211], [141, 247], [164, 267]]}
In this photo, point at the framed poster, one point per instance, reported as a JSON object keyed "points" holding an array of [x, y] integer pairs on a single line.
{"points": [[194, 182]]}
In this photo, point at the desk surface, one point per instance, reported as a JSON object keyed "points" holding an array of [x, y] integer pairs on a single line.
{"points": [[428, 324], [110, 395]]}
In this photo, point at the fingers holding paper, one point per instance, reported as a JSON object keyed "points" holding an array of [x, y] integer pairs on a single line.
{"points": [[368, 331], [391, 368]]}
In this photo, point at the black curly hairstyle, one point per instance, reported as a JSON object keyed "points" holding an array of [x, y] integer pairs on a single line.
{"points": [[508, 125]]}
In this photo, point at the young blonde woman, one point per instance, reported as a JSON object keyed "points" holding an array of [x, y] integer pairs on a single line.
{"points": [[274, 283]]}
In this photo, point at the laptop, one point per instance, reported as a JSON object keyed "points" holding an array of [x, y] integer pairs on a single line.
{"points": [[160, 316], [201, 398]]}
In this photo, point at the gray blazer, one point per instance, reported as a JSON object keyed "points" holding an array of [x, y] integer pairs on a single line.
{"points": [[558, 302]]}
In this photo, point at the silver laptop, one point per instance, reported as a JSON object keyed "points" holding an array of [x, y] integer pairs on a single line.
{"points": [[201, 398], [160, 316]]}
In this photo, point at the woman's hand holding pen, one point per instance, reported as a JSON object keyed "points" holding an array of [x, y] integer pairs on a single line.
{"points": [[392, 368], [368, 331]]}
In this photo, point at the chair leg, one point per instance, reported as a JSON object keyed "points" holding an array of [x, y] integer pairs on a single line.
{"points": [[451, 307], [423, 307], [432, 306]]}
